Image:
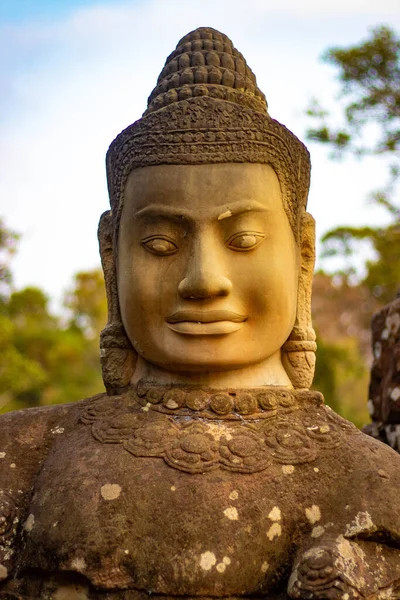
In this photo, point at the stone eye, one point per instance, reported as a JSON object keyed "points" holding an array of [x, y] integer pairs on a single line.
{"points": [[159, 246], [247, 240]]}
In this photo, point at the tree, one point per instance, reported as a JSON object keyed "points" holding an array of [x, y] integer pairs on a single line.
{"points": [[370, 78], [341, 319], [8, 243], [86, 302], [369, 74], [43, 358]]}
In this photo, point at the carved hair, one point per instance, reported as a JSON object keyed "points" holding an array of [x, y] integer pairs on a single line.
{"points": [[206, 108]]}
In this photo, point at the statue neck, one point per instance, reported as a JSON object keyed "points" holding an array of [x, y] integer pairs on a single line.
{"points": [[268, 372]]}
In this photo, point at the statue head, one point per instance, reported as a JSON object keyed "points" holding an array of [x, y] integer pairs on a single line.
{"points": [[208, 250]]}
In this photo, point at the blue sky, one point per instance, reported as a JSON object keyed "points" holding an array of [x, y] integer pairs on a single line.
{"points": [[13, 11], [74, 73]]}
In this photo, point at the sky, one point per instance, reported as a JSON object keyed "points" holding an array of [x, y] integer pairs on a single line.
{"points": [[74, 73]]}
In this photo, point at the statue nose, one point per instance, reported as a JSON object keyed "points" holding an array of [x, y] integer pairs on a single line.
{"points": [[204, 277]]}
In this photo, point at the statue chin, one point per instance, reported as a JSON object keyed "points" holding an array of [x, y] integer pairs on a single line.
{"points": [[208, 468]]}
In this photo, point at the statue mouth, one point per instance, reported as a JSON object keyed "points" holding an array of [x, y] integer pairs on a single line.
{"points": [[211, 322]]}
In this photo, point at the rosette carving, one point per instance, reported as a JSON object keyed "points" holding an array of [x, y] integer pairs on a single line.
{"points": [[117, 429], [101, 408], [152, 439], [326, 434], [289, 442], [194, 450], [245, 452]]}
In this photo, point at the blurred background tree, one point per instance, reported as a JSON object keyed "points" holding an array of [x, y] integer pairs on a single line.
{"points": [[369, 100], [48, 359]]}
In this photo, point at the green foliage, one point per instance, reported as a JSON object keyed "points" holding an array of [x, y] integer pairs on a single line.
{"points": [[342, 376], [86, 303], [382, 277], [44, 360], [341, 317], [369, 74], [369, 101], [8, 242]]}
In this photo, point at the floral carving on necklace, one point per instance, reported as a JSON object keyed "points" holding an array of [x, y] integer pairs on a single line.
{"points": [[197, 431]]}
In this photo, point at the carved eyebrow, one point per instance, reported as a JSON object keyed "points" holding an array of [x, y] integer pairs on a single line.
{"points": [[221, 212], [238, 208], [155, 211]]}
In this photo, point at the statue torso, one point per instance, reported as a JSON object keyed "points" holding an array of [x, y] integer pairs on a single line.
{"points": [[142, 497]]}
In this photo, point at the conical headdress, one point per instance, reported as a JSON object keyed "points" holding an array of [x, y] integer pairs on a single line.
{"points": [[206, 108]]}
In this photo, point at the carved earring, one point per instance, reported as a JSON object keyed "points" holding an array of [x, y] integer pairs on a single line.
{"points": [[117, 356], [298, 352]]}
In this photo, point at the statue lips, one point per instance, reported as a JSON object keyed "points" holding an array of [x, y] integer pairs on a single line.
{"points": [[211, 322]]}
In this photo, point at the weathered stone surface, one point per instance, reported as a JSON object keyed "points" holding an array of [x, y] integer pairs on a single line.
{"points": [[384, 389], [128, 501]]}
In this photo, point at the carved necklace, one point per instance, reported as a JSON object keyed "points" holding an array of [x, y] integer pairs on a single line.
{"points": [[197, 430]]}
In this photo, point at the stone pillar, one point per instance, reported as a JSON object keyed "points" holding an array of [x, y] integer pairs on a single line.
{"points": [[384, 388]]}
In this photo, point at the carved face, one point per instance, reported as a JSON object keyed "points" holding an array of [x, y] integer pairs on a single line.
{"points": [[207, 266]]}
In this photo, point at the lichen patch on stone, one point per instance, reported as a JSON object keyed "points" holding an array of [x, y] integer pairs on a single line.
{"points": [[264, 567], [218, 431], [316, 470], [226, 560], [362, 523], [395, 394], [13, 466], [57, 430], [78, 564], [110, 491], [29, 523], [234, 495], [221, 567], [313, 514], [207, 560], [275, 514], [274, 531], [2, 454], [172, 488], [288, 469], [317, 531], [231, 513]]}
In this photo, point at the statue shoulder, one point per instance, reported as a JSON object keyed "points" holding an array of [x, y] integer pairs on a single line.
{"points": [[26, 436], [357, 548], [31, 430]]}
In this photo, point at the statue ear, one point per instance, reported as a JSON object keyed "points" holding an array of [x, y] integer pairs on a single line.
{"points": [[117, 356], [298, 352]]}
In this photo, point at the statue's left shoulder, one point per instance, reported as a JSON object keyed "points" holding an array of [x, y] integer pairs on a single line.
{"points": [[356, 553]]}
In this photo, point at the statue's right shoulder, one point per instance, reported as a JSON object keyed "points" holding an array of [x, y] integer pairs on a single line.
{"points": [[26, 436]]}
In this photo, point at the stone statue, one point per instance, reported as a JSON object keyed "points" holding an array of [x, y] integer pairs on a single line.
{"points": [[208, 469], [384, 387]]}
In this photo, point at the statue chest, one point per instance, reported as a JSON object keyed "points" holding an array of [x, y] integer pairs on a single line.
{"points": [[178, 507], [124, 521]]}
